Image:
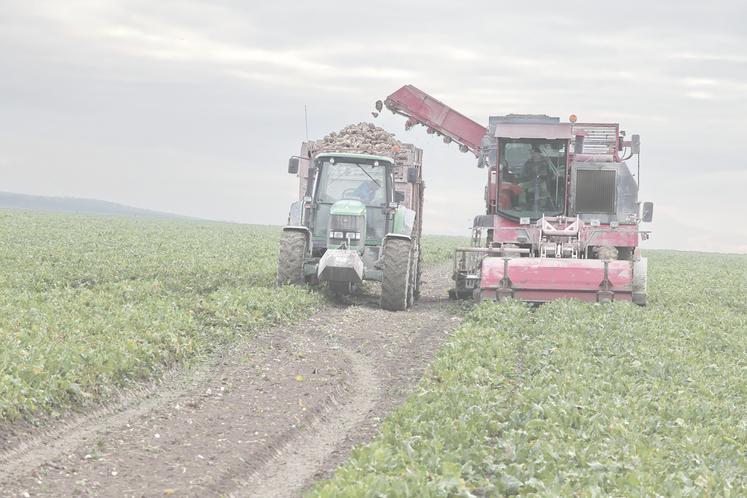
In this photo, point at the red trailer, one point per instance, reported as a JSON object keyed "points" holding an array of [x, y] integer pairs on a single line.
{"points": [[562, 213]]}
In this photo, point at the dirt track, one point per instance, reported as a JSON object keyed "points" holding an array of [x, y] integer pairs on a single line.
{"points": [[268, 418]]}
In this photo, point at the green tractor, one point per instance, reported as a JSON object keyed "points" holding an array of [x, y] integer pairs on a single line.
{"points": [[359, 217]]}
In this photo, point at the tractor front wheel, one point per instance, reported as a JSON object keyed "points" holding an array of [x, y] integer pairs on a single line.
{"points": [[395, 284], [293, 247]]}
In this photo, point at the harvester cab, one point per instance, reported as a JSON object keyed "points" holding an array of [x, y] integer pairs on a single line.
{"points": [[355, 222], [562, 213]]}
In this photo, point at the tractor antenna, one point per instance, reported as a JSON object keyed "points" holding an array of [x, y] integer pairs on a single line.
{"points": [[306, 120]]}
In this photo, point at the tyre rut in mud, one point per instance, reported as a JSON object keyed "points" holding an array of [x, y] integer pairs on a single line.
{"points": [[283, 408]]}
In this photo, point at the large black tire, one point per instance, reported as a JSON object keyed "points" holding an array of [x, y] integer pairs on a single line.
{"points": [[293, 247], [395, 284]]}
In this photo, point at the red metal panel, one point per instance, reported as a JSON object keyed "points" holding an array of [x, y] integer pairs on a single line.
{"points": [[424, 109], [511, 235], [506, 231], [557, 277], [547, 296], [623, 236]]}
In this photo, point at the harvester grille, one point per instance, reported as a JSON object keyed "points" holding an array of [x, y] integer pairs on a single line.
{"points": [[595, 191]]}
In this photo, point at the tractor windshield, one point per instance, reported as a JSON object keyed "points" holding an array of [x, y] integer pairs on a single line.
{"points": [[532, 177], [347, 180], [344, 178]]}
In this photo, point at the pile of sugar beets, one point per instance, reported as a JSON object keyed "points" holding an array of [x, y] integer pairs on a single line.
{"points": [[365, 138]]}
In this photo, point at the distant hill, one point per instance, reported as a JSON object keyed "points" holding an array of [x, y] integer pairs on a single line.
{"points": [[9, 200]]}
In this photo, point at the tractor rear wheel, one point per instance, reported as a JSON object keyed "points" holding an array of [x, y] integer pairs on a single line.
{"points": [[395, 284], [293, 247]]}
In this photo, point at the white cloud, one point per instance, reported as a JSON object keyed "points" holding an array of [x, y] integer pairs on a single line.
{"points": [[700, 95], [736, 58], [101, 85]]}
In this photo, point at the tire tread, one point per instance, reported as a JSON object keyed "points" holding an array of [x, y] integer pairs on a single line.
{"points": [[395, 282], [290, 258]]}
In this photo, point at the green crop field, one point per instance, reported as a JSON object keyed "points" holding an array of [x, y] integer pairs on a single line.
{"points": [[90, 304], [575, 399], [440, 248]]}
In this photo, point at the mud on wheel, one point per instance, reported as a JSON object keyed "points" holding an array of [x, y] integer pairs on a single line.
{"points": [[293, 247], [395, 284]]}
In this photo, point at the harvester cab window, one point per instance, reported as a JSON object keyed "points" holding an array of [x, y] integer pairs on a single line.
{"points": [[356, 181], [532, 177]]}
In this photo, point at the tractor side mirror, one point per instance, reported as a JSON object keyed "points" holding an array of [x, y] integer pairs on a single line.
{"points": [[399, 196], [293, 165], [412, 175], [647, 213]]}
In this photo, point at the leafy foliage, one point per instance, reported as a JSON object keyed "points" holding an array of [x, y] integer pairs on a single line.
{"points": [[90, 303], [440, 248], [579, 399]]}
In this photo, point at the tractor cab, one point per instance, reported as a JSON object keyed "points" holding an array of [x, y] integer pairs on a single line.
{"points": [[350, 199]]}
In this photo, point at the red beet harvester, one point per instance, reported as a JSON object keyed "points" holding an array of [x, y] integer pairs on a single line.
{"points": [[561, 206]]}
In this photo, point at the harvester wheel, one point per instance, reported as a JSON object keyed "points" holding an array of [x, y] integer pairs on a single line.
{"points": [[395, 284], [293, 247]]}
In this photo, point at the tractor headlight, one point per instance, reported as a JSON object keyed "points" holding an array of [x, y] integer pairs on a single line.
{"points": [[336, 235], [354, 235]]}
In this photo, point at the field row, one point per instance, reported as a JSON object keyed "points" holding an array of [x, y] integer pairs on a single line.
{"points": [[91, 304], [576, 399]]}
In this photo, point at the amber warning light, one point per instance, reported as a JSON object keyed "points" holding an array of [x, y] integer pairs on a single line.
{"points": [[572, 118]]}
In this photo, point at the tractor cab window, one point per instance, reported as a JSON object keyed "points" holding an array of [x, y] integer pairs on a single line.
{"points": [[532, 177], [340, 180]]}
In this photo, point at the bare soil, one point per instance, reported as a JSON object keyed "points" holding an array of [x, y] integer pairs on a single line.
{"points": [[269, 417]]}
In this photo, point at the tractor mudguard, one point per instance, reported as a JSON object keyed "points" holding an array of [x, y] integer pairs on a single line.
{"points": [[396, 236], [300, 228], [404, 221], [295, 214]]}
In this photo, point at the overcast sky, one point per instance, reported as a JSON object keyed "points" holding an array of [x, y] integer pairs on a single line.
{"points": [[194, 107]]}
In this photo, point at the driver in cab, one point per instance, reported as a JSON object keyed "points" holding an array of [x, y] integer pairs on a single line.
{"points": [[533, 177], [367, 191], [535, 167]]}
